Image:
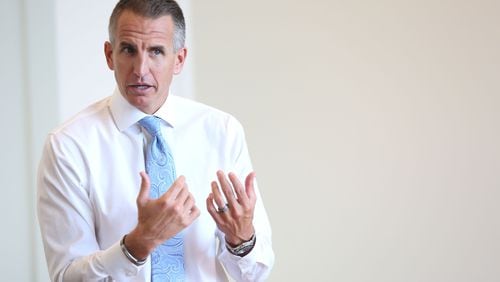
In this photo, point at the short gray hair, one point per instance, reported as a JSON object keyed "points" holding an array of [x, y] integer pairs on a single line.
{"points": [[152, 9]]}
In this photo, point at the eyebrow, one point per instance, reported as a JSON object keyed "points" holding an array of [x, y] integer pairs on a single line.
{"points": [[154, 47], [157, 47], [127, 44]]}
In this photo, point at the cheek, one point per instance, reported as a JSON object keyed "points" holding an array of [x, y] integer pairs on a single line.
{"points": [[162, 72], [122, 69], [158, 66]]}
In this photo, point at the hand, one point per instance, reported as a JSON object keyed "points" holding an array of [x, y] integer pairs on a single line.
{"points": [[237, 221], [162, 218]]}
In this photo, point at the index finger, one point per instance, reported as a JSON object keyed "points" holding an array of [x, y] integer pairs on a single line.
{"points": [[175, 188], [143, 195]]}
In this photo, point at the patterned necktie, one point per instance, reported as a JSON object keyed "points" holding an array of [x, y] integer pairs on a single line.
{"points": [[167, 260]]}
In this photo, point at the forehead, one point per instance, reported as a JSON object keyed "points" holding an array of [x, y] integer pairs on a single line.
{"points": [[131, 26]]}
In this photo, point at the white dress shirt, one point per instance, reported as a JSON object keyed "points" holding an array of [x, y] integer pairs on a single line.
{"points": [[88, 181]]}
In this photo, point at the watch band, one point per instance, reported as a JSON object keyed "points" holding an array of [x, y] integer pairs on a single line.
{"points": [[244, 248], [129, 256]]}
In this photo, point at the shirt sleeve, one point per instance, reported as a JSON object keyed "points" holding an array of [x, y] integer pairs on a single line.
{"points": [[256, 265], [66, 219]]}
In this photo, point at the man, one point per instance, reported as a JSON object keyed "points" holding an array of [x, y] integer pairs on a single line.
{"points": [[103, 218]]}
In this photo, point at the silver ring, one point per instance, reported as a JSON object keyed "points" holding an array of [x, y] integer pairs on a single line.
{"points": [[223, 209]]}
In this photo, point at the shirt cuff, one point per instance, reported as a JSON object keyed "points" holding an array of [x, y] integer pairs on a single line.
{"points": [[250, 267], [117, 265]]}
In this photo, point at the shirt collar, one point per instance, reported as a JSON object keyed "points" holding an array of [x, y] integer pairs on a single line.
{"points": [[167, 111], [126, 115]]}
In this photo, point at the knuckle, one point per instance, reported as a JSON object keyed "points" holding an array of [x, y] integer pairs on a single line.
{"points": [[163, 204], [196, 212], [185, 221], [238, 213], [247, 209], [178, 209]]}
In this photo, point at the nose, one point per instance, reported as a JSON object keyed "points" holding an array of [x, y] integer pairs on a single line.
{"points": [[141, 66]]}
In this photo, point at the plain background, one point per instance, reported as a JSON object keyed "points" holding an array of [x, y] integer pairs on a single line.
{"points": [[373, 125]]}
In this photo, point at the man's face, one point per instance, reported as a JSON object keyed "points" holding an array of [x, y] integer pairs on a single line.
{"points": [[143, 59]]}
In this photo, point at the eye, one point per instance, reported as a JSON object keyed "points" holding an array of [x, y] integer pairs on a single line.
{"points": [[128, 50], [157, 51]]}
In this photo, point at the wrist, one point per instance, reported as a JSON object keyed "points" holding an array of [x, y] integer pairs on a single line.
{"points": [[129, 256], [137, 245], [243, 248], [234, 241]]}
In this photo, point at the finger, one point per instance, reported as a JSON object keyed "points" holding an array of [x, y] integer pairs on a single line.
{"points": [[195, 212], [238, 188], [249, 186], [183, 194], [211, 208], [175, 188], [226, 188], [192, 210], [143, 195], [217, 196], [189, 203]]}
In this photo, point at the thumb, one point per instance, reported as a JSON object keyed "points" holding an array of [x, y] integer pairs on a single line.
{"points": [[143, 196]]}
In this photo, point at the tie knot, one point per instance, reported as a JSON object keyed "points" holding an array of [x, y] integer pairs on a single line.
{"points": [[151, 124]]}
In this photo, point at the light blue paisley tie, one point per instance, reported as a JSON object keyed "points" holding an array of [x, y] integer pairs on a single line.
{"points": [[167, 260]]}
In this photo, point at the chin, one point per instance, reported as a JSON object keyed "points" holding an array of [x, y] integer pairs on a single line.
{"points": [[137, 101]]}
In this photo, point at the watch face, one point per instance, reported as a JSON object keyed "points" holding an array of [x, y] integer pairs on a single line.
{"points": [[242, 249]]}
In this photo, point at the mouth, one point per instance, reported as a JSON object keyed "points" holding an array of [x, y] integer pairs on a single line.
{"points": [[139, 87]]}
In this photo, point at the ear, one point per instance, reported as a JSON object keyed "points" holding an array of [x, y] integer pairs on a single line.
{"points": [[108, 52], [180, 58]]}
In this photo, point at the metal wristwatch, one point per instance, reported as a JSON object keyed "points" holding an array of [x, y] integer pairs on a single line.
{"points": [[242, 249]]}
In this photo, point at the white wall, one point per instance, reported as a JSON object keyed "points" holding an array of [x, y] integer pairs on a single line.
{"points": [[52, 65], [374, 129], [81, 31], [14, 178], [27, 76]]}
